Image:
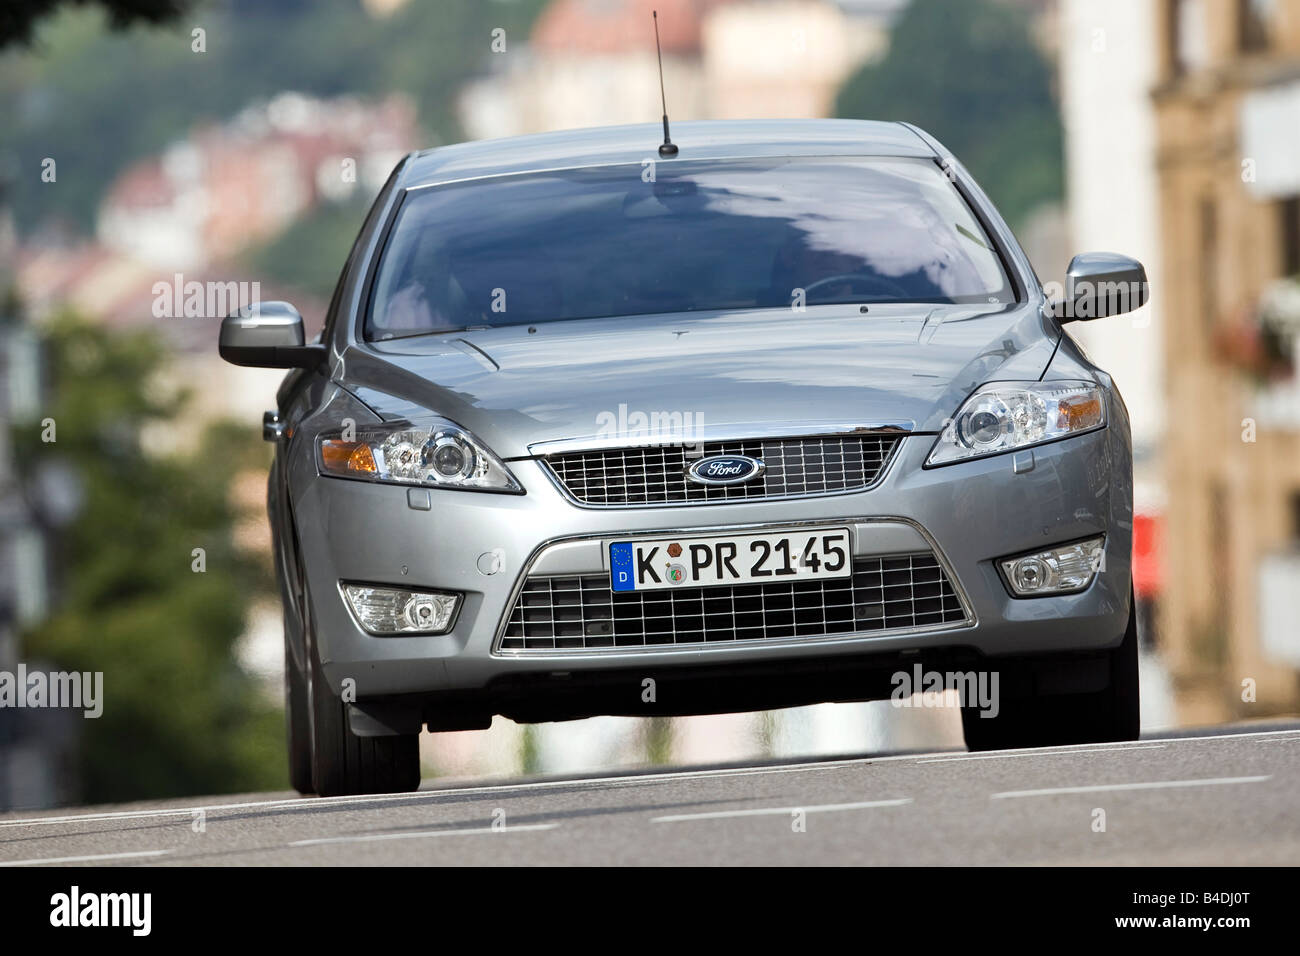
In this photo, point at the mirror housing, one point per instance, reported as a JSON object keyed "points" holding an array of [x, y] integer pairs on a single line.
{"points": [[1099, 284], [268, 335]]}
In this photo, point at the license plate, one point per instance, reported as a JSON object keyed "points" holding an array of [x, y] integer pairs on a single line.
{"points": [[734, 559]]}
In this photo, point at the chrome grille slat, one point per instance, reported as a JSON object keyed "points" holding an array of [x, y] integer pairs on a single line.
{"points": [[796, 467], [580, 612]]}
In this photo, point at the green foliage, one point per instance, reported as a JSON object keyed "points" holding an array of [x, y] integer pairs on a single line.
{"points": [[657, 738], [969, 73], [95, 101], [180, 716], [530, 757], [310, 253], [19, 17]]}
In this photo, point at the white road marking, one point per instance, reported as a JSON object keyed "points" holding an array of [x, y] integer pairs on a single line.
{"points": [[1152, 785], [1254, 734], [84, 859], [417, 834], [1040, 752], [305, 803], [780, 811]]}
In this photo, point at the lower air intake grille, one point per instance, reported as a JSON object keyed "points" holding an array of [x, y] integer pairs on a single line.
{"points": [[580, 612]]}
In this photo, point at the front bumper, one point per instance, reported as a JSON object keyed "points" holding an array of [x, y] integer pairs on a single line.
{"points": [[970, 514]]}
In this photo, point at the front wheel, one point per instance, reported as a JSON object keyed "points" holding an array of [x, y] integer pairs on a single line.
{"points": [[1051, 720], [343, 763], [297, 725]]}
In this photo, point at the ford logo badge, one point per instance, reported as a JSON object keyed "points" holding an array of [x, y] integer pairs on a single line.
{"points": [[725, 470]]}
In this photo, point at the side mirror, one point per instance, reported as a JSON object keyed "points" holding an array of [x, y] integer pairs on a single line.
{"points": [[268, 335], [1099, 284]]}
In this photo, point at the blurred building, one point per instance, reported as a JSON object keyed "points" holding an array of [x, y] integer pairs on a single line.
{"points": [[229, 186], [185, 215], [1227, 106], [787, 58], [593, 63], [1107, 66]]}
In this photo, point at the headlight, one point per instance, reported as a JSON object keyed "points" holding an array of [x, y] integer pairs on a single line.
{"points": [[1002, 416], [433, 453]]}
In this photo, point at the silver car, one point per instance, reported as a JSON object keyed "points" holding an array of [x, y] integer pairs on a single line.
{"points": [[783, 418]]}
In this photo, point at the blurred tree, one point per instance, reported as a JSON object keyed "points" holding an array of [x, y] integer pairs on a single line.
{"points": [[969, 73], [530, 754], [657, 736], [310, 253], [180, 716], [433, 48], [97, 101], [18, 17]]}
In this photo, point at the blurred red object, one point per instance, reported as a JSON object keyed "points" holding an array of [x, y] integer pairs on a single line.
{"points": [[1148, 545]]}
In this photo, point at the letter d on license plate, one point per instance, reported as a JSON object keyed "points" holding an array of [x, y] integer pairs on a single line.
{"points": [[731, 559]]}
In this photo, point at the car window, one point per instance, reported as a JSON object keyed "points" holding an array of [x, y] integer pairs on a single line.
{"points": [[680, 237]]}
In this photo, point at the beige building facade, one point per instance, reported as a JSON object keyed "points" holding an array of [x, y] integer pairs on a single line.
{"points": [[1227, 106]]}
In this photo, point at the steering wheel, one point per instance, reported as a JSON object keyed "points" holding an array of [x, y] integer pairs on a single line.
{"points": [[859, 280]]}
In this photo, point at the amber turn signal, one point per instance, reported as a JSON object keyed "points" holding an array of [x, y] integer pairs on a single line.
{"points": [[347, 457]]}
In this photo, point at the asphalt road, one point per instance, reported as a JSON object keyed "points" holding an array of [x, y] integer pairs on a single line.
{"points": [[1226, 796]]}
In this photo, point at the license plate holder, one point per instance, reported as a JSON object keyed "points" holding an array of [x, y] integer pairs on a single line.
{"points": [[685, 561]]}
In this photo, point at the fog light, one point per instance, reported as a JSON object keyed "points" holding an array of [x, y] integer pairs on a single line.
{"points": [[1059, 570], [399, 611]]}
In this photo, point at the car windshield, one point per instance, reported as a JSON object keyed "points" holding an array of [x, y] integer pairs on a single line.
{"points": [[680, 237]]}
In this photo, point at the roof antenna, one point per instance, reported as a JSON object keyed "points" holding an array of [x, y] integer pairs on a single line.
{"points": [[666, 148]]}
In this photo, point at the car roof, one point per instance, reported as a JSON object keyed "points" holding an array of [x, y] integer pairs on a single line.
{"points": [[706, 139]]}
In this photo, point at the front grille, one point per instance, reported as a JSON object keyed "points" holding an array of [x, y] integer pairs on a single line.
{"points": [[657, 475], [580, 612]]}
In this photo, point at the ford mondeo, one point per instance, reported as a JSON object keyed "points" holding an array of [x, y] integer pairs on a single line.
{"points": [[764, 421]]}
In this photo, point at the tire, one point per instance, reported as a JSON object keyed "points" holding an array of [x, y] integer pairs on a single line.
{"points": [[297, 721], [297, 716], [1053, 720], [343, 763]]}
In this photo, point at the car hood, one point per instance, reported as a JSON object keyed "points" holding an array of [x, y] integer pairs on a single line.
{"points": [[517, 386]]}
